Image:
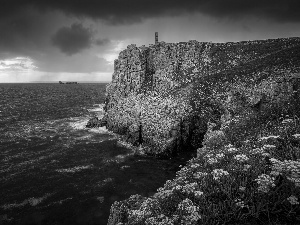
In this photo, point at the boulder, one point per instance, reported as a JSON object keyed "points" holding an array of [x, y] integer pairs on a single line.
{"points": [[93, 122]]}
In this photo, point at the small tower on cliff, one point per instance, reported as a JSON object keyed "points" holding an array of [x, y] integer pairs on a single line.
{"points": [[156, 37]]}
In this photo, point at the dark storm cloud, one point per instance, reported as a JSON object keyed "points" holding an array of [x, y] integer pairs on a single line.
{"points": [[74, 39], [24, 32], [130, 11]]}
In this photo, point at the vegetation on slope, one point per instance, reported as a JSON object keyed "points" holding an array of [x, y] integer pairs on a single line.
{"points": [[248, 171]]}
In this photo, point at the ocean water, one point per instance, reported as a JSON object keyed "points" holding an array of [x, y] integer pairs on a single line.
{"points": [[53, 170]]}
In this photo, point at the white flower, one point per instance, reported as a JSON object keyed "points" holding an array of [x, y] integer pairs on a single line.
{"points": [[199, 175], [241, 188], [198, 193], [229, 146], [220, 156], [296, 135], [265, 154], [240, 203], [232, 150], [265, 182], [273, 160], [274, 173], [218, 173], [241, 158], [287, 121], [269, 146], [190, 188], [293, 200], [256, 151], [212, 161], [196, 165], [246, 167], [295, 180], [269, 137], [188, 207]]}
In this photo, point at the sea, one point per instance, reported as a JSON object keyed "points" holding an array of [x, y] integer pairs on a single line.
{"points": [[54, 170]]}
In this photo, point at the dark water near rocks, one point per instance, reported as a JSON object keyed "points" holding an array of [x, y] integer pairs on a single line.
{"points": [[55, 171]]}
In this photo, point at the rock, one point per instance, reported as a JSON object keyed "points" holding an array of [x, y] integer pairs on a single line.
{"points": [[174, 89], [95, 122]]}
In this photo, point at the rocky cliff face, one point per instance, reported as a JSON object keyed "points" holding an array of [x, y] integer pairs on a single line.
{"points": [[163, 96]]}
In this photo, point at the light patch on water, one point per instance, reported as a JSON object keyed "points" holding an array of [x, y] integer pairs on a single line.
{"points": [[125, 144], [100, 130], [118, 159], [104, 182], [32, 161], [98, 108], [84, 137], [79, 123], [124, 167], [74, 169], [30, 201], [58, 202], [19, 155]]}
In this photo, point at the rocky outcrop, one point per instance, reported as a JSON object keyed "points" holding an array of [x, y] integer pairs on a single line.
{"points": [[163, 96], [95, 122]]}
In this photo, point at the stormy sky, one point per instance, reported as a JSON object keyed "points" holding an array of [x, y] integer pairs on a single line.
{"points": [[78, 40]]}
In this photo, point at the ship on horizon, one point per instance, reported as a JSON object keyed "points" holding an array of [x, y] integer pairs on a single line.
{"points": [[67, 82]]}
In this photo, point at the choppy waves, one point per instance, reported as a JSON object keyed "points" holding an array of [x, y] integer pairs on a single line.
{"points": [[52, 164], [74, 169], [30, 201]]}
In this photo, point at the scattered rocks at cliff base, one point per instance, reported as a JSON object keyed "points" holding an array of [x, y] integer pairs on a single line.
{"points": [[95, 122]]}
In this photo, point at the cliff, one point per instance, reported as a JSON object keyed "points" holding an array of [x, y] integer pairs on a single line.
{"points": [[240, 103], [163, 96]]}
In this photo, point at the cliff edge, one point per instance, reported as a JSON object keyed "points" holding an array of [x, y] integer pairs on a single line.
{"points": [[163, 96]]}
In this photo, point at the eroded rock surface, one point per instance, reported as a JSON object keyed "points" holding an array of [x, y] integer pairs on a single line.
{"points": [[162, 96]]}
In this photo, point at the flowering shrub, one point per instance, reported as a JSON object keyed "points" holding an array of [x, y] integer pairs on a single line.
{"points": [[188, 212], [265, 182], [231, 184], [218, 173], [293, 200], [159, 220], [241, 158]]}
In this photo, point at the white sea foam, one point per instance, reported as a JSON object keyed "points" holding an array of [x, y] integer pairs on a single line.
{"points": [[100, 130], [84, 137], [30, 201], [59, 202], [78, 123], [81, 125], [269, 137], [74, 169], [97, 108], [125, 144], [105, 182]]}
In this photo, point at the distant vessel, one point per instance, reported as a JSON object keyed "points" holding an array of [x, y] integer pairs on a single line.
{"points": [[67, 82]]}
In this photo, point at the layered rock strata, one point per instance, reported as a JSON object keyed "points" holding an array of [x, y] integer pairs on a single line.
{"points": [[162, 96]]}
